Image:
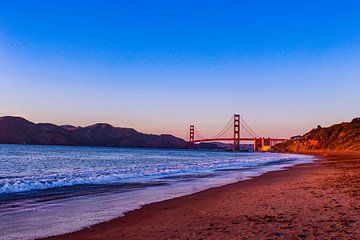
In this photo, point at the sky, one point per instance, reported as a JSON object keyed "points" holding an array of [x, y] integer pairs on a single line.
{"points": [[159, 66]]}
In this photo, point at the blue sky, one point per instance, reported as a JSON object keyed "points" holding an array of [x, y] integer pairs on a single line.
{"points": [[159, 66]]}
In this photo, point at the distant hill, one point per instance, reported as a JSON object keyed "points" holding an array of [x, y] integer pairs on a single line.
{"points": [[339, 137], [18, 130]]}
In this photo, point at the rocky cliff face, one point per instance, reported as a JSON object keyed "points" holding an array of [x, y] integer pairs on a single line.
{"points": [[21, 131], [339, 137]]}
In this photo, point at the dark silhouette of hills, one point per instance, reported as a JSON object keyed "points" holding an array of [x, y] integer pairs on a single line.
{"points": [[18, 130], [339, 137]]}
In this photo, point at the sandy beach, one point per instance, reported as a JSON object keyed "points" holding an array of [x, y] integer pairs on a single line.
{"points": [[310, 201]]}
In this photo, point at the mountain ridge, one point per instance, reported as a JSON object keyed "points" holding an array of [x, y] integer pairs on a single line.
{"points": [[18, 130]]}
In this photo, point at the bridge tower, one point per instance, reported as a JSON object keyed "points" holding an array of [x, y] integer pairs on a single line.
{"points": [[192, 134], [236, 146]]}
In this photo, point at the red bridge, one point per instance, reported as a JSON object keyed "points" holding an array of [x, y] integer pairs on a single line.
{"points": [[240, 132]]}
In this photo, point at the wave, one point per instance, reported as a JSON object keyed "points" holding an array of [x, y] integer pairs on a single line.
{"points": [[140, 172], [51, 200]]}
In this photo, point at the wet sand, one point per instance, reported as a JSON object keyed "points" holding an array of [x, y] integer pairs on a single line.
{"points": [[310, 201]]}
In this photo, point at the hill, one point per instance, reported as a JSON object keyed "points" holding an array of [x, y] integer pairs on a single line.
{"points": [[18, 130], [339, 137]]}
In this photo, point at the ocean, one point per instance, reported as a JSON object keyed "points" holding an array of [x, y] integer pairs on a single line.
{"points": [[50, 190]]}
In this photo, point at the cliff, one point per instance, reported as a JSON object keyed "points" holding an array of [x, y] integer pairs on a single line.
{"points": [[339, 137]]}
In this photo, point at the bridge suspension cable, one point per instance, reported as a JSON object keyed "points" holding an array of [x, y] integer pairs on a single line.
{"points": [[226, 128], [198, 134], [187, 136], [247, 127], [241, 132], [245, 131]]}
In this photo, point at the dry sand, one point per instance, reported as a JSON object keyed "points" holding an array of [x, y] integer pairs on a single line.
{"points": [[310, 201]]}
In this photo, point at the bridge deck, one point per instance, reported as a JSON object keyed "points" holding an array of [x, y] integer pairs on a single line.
{"points": [[232, 139]]}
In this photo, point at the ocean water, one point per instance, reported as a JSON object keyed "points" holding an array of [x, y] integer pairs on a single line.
{"points": [[50, 190]]}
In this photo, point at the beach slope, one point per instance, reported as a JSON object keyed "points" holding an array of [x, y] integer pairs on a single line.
{"points": [[318, 200]]}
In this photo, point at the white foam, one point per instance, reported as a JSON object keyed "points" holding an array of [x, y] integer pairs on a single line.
{"points": [[35, 220], [136, 173]]}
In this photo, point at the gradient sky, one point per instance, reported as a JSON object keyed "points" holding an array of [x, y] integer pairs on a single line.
{"points": [[158, 66]]}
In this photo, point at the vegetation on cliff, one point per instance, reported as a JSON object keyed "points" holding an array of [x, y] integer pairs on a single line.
{"points": [[339, 137]]}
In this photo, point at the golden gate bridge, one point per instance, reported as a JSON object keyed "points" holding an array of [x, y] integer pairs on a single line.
{"points": [[239, 131]]}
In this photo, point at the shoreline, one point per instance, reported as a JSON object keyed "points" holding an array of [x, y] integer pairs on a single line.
{"points": [[270, 202], [70, 214], [148, 207]]}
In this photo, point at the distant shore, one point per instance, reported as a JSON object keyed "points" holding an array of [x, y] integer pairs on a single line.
{"points": [[317, 200]]}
